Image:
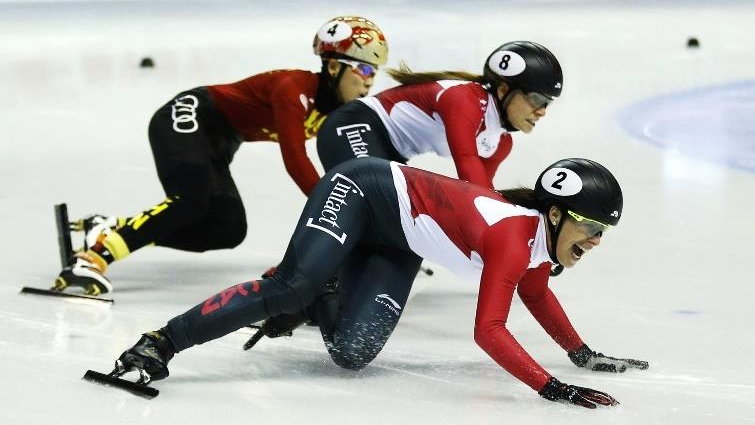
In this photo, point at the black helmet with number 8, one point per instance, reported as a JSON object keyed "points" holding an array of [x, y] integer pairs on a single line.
{"points": [[525, 65], [582, 186]]}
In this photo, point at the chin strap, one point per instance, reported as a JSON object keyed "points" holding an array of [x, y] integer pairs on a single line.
{"points": [[326, 98], [502, 104], [554, 231]]}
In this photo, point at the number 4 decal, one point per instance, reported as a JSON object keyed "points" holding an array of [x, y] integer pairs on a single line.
{"points": [[332, 30]]}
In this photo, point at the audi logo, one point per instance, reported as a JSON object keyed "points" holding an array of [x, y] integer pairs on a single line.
{"points": [[184, 114]]}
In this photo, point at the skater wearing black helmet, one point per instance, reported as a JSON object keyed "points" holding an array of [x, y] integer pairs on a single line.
{"points": [[366, 216], [468, 117]]}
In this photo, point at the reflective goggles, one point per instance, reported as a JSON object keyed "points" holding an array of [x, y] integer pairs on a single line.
{"points": [[589, 226], [364, 70], [538, 100]]}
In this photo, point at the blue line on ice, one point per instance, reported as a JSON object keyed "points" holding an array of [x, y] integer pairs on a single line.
{"points": [[713, 123]]}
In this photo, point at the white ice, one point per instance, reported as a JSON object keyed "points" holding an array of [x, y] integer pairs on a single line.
{"points": [[672, 284]]}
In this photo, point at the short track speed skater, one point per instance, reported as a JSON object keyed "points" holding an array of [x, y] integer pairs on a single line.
{"points": [[67, 260]]}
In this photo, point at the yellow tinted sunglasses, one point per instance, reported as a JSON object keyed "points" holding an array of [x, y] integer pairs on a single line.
{"points": [[591, 227]]}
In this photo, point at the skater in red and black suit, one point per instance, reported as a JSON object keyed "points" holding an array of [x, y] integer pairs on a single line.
{"points": [[196, 134], [367, 215]]}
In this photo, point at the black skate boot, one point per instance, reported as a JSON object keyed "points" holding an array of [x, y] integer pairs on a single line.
{"points": [[86, 271], [149, 356]]}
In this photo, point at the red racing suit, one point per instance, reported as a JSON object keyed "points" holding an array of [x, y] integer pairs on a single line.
{"points": [[450, 118], [276, 106], [476, 233]]}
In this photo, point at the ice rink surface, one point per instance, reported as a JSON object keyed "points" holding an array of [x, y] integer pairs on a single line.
{"points": [[672, 284]]}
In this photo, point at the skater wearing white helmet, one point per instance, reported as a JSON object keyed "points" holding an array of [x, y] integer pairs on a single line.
{"points": [[194, 138]]}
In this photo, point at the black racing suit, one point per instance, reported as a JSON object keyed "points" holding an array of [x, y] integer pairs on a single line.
{"points": [[193, 145], [350, 226]]}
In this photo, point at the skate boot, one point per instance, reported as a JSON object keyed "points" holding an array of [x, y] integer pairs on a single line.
{"points": [[86, 271], [149, 356], [95, 225]]}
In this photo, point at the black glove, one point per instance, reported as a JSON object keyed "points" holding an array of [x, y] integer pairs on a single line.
{"points": [[555, 390], [585, 357]]}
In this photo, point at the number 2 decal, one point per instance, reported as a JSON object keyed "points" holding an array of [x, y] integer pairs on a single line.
{"points": [[561, 182], [561, 177]]}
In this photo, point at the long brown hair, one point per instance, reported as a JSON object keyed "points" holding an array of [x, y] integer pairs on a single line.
{"points": [[404, 75], [522, 196]]}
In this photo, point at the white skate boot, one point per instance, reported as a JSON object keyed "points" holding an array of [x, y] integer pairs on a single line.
{"points": [[88, 272], [97, 224]]}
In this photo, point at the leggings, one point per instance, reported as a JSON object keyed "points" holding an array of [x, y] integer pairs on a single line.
{"points": [[350, 227], [192, 145], [356, 131]]}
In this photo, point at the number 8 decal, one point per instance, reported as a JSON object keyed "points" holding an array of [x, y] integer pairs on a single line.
{"points": [[506, 63]]}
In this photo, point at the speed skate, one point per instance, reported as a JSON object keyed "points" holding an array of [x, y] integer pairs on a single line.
{"points": [[65, 251], [113, 379]]}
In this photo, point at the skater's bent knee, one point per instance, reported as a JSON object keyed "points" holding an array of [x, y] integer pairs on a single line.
{"points": [[236, 235], [348, 363], [227, 236], [353, 356]]}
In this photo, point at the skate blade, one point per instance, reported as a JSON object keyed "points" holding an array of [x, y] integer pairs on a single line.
{"points": [[55, 293], [254, 339], [65, 247], [60, 285], [140, 390], [93, 290]]}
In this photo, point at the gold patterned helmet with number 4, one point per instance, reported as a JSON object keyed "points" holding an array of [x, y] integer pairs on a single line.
{"points": [[351, 37]]}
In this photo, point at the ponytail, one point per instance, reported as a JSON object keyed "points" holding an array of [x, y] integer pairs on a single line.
{"points": [[522, 196], [406, 76]]}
